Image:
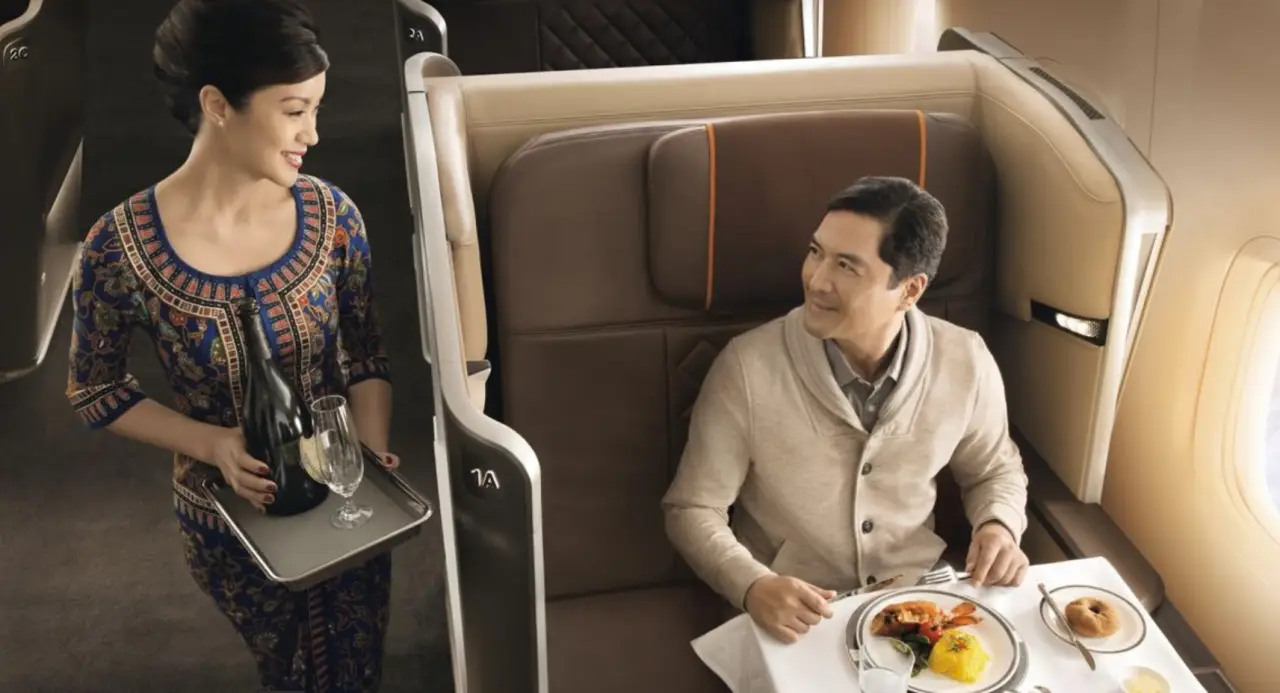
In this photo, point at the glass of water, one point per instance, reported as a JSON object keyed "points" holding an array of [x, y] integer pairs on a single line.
{"points": [[888, 671], [343, 461]]}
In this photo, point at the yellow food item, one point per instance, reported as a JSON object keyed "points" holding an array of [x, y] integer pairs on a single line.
{"points": [[1142, 682], [959, 655]]}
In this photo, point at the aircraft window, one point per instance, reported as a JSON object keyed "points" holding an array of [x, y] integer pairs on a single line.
{"points": [[1238, 417], [1272, 463]]}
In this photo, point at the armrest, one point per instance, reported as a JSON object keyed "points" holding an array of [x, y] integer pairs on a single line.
{"points": [[1085, 529], [477, 377], [1185, 641]]}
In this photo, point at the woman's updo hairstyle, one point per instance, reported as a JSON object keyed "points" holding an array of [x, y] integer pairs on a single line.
{"points": [[238, 46]]}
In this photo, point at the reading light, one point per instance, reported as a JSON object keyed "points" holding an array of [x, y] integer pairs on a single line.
{"points": [[1091, 330], [1080, 326]]}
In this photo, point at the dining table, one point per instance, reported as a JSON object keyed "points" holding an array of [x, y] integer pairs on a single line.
{"points": [[749, 660]]}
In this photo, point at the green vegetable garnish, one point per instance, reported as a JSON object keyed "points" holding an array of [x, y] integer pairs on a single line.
{"points": [[918, 641], [916, 645], [921, 664]]}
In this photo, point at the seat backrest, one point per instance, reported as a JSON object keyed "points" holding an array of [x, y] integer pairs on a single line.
{"points": [[506, 36], [12, 9], [41, 137], [625, 256]]}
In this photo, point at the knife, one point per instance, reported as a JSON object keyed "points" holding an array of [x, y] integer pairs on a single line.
{"points": [[869, 588], [1066, 625]]}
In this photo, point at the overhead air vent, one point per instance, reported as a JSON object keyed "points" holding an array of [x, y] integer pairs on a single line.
{"points": [[1089, 110]]}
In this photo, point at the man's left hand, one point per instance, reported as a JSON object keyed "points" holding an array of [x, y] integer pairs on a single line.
{"points": [[994, 557], [388, 460]]}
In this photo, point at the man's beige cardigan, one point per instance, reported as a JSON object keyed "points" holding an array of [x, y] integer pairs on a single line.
{"points": [[773, 435]]}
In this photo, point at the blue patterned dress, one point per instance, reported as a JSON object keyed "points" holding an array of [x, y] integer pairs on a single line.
{"points": [[317, 307]]}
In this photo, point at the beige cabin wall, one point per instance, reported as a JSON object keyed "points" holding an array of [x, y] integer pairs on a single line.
{"points": [[864, 27], [1170, 483], [1194, 85], [1104, 48]]}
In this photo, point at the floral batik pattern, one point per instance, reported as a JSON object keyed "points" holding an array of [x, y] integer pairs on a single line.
{"points": [[316, 303]]}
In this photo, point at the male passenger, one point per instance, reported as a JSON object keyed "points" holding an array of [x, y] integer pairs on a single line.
{"points": [[826, 428]]}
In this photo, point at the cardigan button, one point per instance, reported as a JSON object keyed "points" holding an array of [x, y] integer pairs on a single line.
{"points": [[871, 580], [867, 526], [866, 469]]}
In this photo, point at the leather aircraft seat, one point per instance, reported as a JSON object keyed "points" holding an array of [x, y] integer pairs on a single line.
{"points": [[536, 199], [624, 257], [502, 36], [42, 51], [11, 10]]}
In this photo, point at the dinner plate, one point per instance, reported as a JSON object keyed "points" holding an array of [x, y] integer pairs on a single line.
{"points": [[999, 638], [1133, 627]]}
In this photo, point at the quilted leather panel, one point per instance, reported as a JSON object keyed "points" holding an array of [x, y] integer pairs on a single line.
{"points": [[577, 34]]}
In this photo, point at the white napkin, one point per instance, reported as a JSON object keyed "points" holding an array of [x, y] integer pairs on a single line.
{"points": [[732, 651]]}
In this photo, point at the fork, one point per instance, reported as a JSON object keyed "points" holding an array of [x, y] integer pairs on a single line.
{"points": [[942, 575]]}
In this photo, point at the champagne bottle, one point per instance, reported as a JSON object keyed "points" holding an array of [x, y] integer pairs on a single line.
{"points": [[276, 422]]}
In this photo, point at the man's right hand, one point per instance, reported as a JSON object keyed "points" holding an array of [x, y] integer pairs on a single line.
{"points": [[787, 607], [242, 472]]}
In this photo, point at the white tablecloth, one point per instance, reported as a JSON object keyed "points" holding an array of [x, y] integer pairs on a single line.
{"points": [[751, 661]]}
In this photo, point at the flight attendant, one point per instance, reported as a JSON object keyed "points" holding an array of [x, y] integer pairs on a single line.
{"points": [[238, 218]]}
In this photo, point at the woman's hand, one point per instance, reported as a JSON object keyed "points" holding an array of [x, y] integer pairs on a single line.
{"points": [[388, 460], [242, 472]]}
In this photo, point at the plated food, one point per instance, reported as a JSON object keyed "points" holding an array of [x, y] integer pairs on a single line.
{"points": [[1139, 679], [956, 643], [960, 656], [927, 631], [1091, 617], [1104, 621]]}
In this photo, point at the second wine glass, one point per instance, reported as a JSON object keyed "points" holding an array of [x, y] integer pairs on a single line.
{"points": [[343, 461]]}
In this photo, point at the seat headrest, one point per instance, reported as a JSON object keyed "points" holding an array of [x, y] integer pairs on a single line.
{"points": [[733, 202]]}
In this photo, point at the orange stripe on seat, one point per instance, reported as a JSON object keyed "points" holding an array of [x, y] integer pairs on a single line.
{"points": [[924, 140], [711, 214]]}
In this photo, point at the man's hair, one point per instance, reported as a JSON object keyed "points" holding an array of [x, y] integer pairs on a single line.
{"points": [[915, 224]]}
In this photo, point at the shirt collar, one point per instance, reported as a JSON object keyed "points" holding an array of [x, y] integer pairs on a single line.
{"points": [[845, 374]]}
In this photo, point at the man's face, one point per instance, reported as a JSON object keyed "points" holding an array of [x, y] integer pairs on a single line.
{"points": [[846, 284]]}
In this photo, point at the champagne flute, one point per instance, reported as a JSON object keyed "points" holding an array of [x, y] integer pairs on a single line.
{"points": [[343, 461]]}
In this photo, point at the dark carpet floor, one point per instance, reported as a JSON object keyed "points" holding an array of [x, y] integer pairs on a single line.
{"points": [[94, 595]]}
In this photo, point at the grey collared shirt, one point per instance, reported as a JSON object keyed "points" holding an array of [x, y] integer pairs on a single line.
{"points": [[867, 398]]}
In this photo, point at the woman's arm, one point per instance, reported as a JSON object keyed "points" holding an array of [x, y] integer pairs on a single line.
{"points": [[371, 408], [99, 384], [367, 365], [154, 424], [106, 396]]}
